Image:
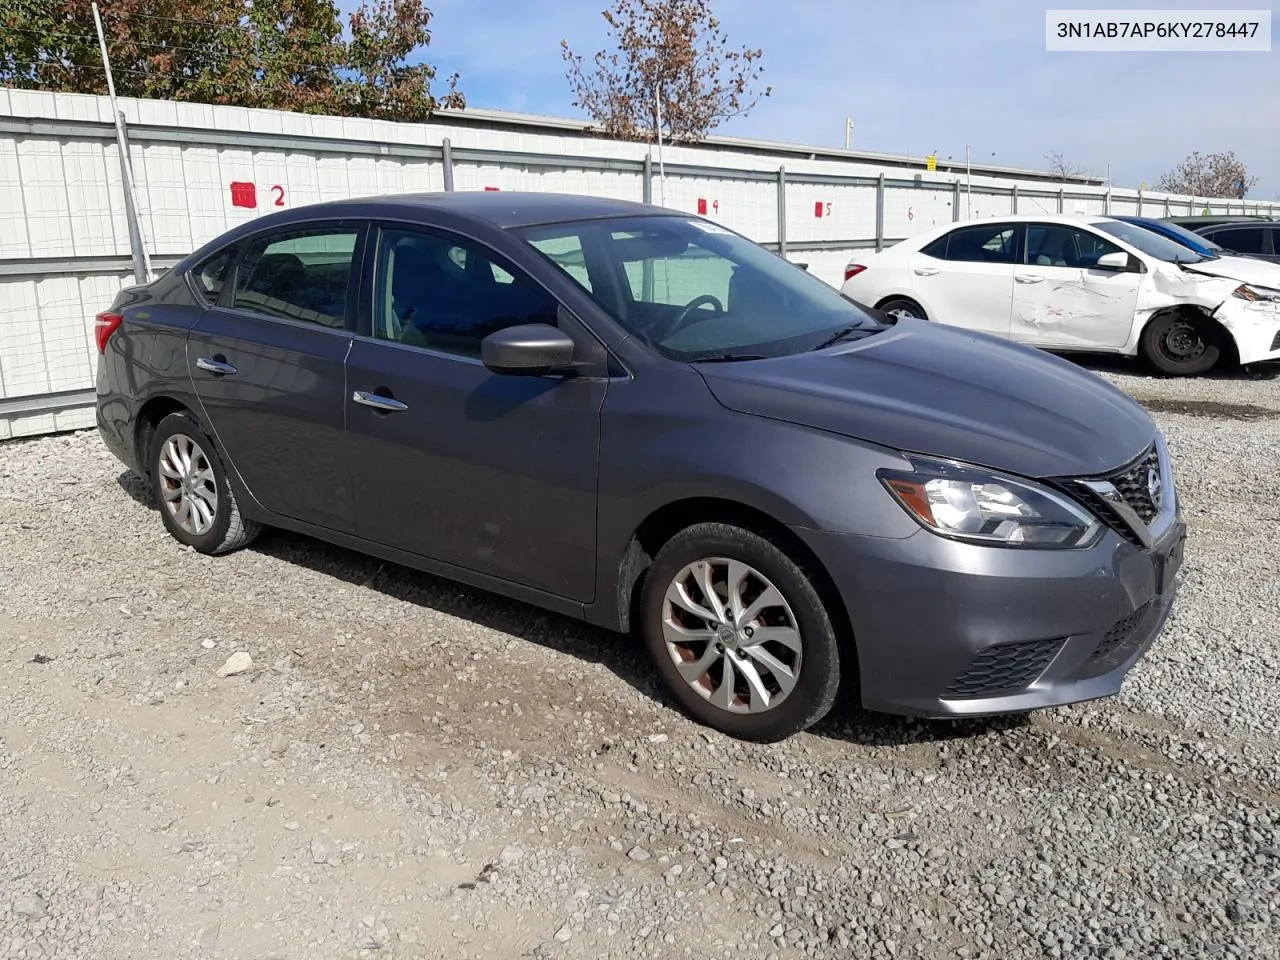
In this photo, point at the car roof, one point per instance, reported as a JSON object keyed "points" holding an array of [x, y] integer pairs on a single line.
{"points": [[506, 209], [1033, 218]]}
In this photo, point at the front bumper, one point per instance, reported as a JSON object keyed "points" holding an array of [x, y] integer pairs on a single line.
{"points": [[1255, 327], [947, 629]]}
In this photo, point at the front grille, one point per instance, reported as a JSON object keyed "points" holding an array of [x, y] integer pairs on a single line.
{"points": [[1131, 483], [1117, 645], [1003, 669], [1101, 508]]}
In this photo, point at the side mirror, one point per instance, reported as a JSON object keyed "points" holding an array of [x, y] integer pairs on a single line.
{"points": [[1118, 261], [529, 349]]}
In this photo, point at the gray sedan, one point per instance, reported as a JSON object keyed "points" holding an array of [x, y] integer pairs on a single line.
{"points": [[639, 418]]}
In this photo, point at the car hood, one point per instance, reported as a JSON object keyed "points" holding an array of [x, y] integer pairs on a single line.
{"points": [[1259, 273], [921, 387]]}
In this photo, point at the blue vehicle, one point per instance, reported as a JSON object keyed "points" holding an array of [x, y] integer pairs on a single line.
{"points": [[1193, 241]]}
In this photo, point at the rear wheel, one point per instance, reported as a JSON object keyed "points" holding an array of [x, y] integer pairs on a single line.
{"points": [[190, 485], [1181, 344], [903, 307], [739, 634]]}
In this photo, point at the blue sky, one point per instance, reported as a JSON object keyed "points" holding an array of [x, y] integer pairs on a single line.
{"points": [[915, 77]]}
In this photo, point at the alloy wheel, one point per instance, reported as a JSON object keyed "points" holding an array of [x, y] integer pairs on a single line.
{"points": [[732, 635], [187, 484]]}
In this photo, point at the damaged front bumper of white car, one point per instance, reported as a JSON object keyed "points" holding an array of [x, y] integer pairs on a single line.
{"points": [[1252, 317]]}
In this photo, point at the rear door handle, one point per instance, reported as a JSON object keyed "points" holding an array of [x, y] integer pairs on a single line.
{"points": [[213, 365], [1028, 278], [378, 401], [926, 271]]}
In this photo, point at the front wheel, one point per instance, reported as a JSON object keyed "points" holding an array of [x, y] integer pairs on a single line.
{"points": [[739, 634], [190, 485], [1181, 345]]}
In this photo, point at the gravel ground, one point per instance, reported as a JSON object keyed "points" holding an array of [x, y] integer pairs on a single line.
{"points": [[409, 769]]}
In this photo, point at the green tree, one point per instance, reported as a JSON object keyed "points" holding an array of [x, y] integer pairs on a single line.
{"points": [[281, 54], [668, 51]]}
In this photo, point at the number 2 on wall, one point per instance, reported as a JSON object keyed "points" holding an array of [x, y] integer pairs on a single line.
{"points": [[279, 192]]}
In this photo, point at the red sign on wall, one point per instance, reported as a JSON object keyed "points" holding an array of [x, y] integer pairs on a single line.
{"points": [[702, 206], [244, 195], [491, 188]]}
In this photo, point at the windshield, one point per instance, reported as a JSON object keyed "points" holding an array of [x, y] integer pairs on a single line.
{"points": [[695, 291], [1149, 242]]}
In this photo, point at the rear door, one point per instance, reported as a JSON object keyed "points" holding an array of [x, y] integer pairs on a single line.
{"points": [[494, 473], [1062, 299], [965, 277], [267, 362]]}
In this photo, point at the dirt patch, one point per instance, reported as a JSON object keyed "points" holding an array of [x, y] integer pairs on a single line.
{"points": [[1210, 409]]}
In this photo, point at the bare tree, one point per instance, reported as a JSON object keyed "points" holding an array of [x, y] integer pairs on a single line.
{"points": [[1212, 175], [1061, 167], [671, 52]]}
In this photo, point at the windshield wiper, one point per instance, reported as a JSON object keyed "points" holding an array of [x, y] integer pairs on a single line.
{"points": [[729, 358], [839, 335]]}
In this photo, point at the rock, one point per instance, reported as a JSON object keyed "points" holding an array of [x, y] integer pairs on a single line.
{"points": [[564, 934], [322, 851], [30, 906], [608, 796], [639, 854], [510, 855], [236, 664], [658, 738], [208, 644]]}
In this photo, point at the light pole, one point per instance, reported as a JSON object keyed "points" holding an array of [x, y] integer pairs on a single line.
{"points": [[848, 131]]}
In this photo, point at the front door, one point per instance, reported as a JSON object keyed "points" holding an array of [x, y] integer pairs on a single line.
{"points": [[494, 473], [268, 362], [1062, 299]]}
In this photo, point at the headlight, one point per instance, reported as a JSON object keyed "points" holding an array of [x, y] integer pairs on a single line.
{"points": [[969, 503], [1247, 291]]}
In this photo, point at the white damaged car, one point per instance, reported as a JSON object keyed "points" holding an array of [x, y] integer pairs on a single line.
{"points": [[1073, 283]]}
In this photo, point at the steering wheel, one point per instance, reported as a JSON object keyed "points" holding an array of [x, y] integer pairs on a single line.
{"points": [[682, 318]]}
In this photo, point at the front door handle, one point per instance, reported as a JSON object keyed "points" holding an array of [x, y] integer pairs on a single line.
{"points": [[926, 271], [1029, 278], [214, 365], [378, 401]]}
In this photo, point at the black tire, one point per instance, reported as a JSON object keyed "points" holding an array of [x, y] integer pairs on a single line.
{"points": [[817, 670], [904, 306], [1181, 344], [229, 529]]}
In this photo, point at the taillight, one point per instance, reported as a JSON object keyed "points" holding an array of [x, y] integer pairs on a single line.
{"points": [[852, 270], [104, 325]]}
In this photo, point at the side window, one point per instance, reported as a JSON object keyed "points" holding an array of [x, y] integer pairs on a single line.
{"points": [[448, 295], [1050, 245], [566, 253], [211, 273], [300, 275], [1241, 239], [985, 243], [936, 248]]}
